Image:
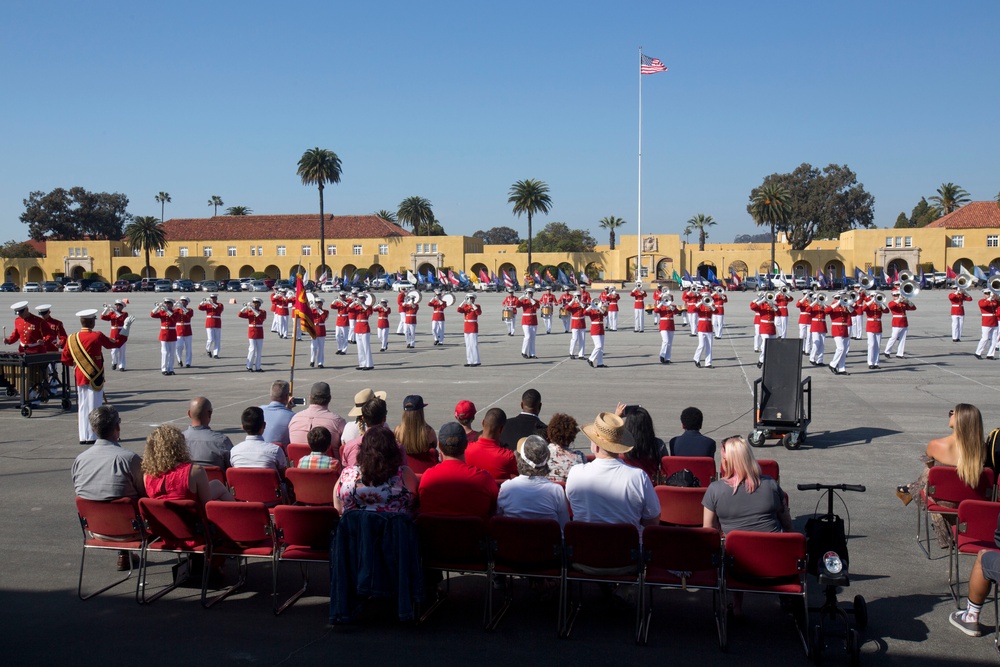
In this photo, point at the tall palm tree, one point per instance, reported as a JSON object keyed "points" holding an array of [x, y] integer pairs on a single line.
{"points": [[388, 216], [529, 196], [319, 166], [239, 210], [699, 223], [611, 223], [215, 202], [769, 205], [416, 212], [949, 198], [147, 233], [162, 199]]}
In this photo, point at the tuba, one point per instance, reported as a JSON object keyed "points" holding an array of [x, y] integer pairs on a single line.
{"points": [[909, 288], [905, 276], [993, 285]]}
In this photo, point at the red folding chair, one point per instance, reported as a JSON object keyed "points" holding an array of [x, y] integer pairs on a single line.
{"points": [[296, 451], [771, 563], [256, 485], [453, 544], [681, 506], [421, 463], [944, 485], [702, 467], [240, 530], [302, 535], [529, 548], [600, 553], [215, 472], [770, 468], [313, 486], [684, 559], [175, 527], [109, 524], [973, 532]]}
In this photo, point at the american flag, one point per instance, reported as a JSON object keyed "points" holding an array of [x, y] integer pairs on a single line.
{"points": [[649, 65]]}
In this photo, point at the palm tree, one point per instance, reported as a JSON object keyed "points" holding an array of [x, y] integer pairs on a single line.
{"points": [[415, 212], [769, 205], [699, 223], [949, 198], [319, 166], [388, 216], [238, 210], [147, 233], [611, 223], [162, 199], [215, 202], [529, 196]]}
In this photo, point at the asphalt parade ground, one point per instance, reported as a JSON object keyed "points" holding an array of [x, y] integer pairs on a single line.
{"points": [[868, 427]]}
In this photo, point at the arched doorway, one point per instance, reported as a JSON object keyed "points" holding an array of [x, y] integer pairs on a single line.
{"points": [[197, 273], [272, 271], [427, 268], [76, 273], [12, 275], [802, 269], [320, 270], [995, 264], [35, 275], [478, 269], [568, 269], [536, 266], [296, 270], [509, 269], [897, 264], [834, 270], [963, 263], [122, 271], [704, 268], [172, 273], [665, 269], [376, 271], [594, 271], [348, 272], [740, 268], [221, 273], [246, 271]]}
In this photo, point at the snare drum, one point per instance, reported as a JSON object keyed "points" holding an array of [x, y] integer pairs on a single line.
{"points": [[563, 312], [546, 311], [507, 315]]}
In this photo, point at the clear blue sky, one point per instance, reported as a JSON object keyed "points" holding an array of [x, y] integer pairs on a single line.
{"points": [[454, 101]]}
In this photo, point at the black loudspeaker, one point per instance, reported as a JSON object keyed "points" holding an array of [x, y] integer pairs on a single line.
{"points": [[781, 391]]}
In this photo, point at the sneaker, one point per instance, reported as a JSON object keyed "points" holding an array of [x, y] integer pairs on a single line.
{"points": [[970, 628]]}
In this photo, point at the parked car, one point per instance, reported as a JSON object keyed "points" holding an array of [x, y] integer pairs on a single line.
{"points": [[379, 284], [259, 286], [805, 282], [750, 282], [282, 284], [402, 286], [147, 285], [209, 286], [246, 283], [231, 286], [8, 287], [32, 287], [940, 279], [480, 286], [329, 286], [121, 286], [183, 285], [51, 286], [162, 285], [73, 287], [98, 286]]}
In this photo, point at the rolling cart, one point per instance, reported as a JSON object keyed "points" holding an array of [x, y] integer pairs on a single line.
{"points": [[782, 400]]}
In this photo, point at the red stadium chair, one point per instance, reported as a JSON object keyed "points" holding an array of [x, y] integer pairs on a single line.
{"points": [[312, 487], [681, 506], [175, 527], [240, 530], [453, 544], [215, 472], [296, 451], [421, 463], [256, 485], [302, 535], [684, 559], [944, 485], [114, 525], [973, 532], [703, 467], [770, 468]]}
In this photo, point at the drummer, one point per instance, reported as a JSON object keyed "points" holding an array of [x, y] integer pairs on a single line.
{"points": [[510, 304], [29, 330], [564, 299], [548, 301]]}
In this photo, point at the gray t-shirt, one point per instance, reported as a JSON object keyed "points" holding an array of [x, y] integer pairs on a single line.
{"points": [[208, 447], [757, 511]]}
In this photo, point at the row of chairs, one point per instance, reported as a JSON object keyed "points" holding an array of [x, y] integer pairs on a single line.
{"points": [[703, 467], [265, 485]]}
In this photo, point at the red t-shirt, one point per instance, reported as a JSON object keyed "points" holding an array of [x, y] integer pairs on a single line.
{"points": [[455, 488], [488, 455]]}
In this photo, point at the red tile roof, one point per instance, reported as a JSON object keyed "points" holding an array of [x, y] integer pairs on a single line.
{"points": [[38, 246], [974, 215], [264, 227]]}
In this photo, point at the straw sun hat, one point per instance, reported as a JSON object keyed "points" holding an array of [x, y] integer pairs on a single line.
{"points": [[608, 432]]}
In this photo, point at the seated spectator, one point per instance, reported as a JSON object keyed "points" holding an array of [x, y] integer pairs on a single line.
{"points": [[413, 433], [319, 440], [606, 490], [379, 482], [985, 573], [465, 414], [525, 424], [373, 414], [255, 452], [317, 414], [562, 432], [531, 495], [486, 452], [206, 447], [743, 499], [169, 474], [355, 429], [691, 442], [648, 449], [453, 487], [278, 413]]}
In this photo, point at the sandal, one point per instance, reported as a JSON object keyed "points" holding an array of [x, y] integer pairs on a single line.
{"points": [[903, 493]]}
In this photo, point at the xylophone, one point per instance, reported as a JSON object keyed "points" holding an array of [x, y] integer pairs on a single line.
{"points": [[32, 376]]}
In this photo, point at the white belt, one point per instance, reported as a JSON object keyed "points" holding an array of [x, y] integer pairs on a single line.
{"points": [[579, 319], [257, 326]]}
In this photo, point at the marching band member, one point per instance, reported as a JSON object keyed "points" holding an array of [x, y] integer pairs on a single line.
{"points": [[766, 315], [437, 317], [657, 295], [529, 323], [184, 333], [168, 334], [213, 325], [548, 302], [576, 326], [410, 309], [564, 299], [781, 301], [613, 298], [510, 304], [840, 329], [471, 311], [758, 342], [317, 348], [363, 333], [817, 331], [805, 321], [873, 327], [255, 318], [691, 310], [857, 325], [639, 311], [55, 336], [665, 311], [958, 299], [341, 305], [116, 315], [29, 329], [596, 311], [989, 308], [704, 312], [281, 313], [352, 317], [719, 317], [275, 296], [898, 306], [584, 295], [290, 300], [400, 300], [383, 310]]}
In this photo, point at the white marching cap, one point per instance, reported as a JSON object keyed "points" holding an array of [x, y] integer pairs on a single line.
{"points": [[43, 308], [89, 312], [20, 305]]}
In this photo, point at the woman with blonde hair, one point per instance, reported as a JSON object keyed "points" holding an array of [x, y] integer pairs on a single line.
{"points": [[169, 474], [744, 499], [413, 433]]}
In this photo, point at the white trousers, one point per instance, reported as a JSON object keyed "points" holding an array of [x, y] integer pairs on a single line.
{"points": [[317, 350], [351, 336], [283, 325], [806, 338], [763, 344], [597, 354], [988, 342], [565, 321], [818, 347], [255, 351], [118, 357], [898, 337], [666, 344], [472, 348], [781, 326], [213, 341], [183, 350], [274, 322], [410, 331], [528, 346], [87, 399], [341, 339], [857, 327], [704, 346], [364, 350], [718, 321], [383, 338], [613, 320], [437, 330], [693, 323], [874, 343], [757, 340], [167, 353], [639, 317], [843, 344], [576, 343], [547, 321], [402, 323], [957, 321], [510, 326]]}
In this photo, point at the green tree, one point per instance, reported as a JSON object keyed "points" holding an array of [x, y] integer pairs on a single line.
{"points": [[319, 166], [698, 224], [923, 214], [435, 229], [529, 196], [215, 202], [949, 198], [417, 213], [498, 236], [147, 233], [74, 214], [752, 238], [611, 223], [558, 237], [162, 199], [388, 216], [769, 206], [17, 250], [239, 210], [902, 221]]}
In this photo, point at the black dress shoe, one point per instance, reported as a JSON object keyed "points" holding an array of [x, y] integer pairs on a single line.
{"points": [[590, 362], [319, 365], [368, 368], [601, 366], [360, 368], [832, 369], [477, 364], [532, 357], [760, 364], [467, 365], [870, 367], [114, 367], [697, 364], [311, 364], [978, 356], [662, 360]]}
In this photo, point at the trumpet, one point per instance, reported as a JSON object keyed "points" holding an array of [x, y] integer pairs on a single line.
{"points": [[157, 306], [204, 301], [719, 289], [708, 301]]}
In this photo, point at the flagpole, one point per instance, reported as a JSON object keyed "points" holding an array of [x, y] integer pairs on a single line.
{"points": [[291, 372], [638, 248]]}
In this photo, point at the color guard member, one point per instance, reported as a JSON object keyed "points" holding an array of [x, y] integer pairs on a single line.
{"points": [[255, 318], [470, 312], [213, 325]]}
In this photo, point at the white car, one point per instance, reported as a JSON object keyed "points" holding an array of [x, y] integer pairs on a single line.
{"points": [[32, 287], [402, 286], [328, 286], [73, 287]]}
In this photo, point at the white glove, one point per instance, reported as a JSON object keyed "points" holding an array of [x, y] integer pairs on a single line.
{"points": [[123, 331]]}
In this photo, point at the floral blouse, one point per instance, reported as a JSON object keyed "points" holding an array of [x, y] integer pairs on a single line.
{"points": [[561, 460], [393, 496]]}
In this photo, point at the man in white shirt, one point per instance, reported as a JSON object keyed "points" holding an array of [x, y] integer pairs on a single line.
{"points": [[254, 452], [607, 490]]}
